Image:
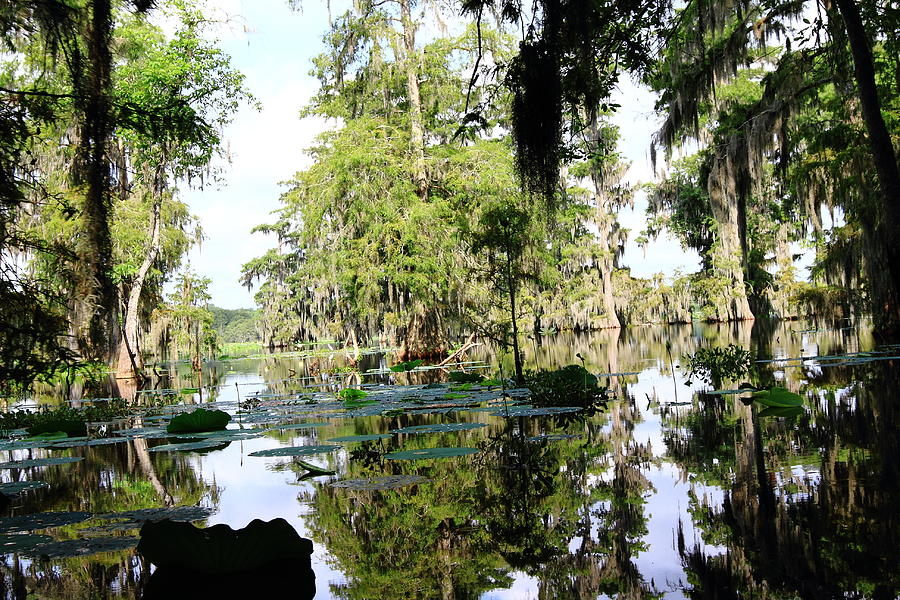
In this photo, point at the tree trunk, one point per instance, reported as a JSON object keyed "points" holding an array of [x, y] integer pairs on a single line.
{"points": [[728, 258], [424, 336], [517, 356], [885, 286], [130, 360], [95, 303], [417, 129]]}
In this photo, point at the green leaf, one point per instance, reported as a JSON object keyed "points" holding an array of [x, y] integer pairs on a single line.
{"points": [[426, 453], [297, 450], [778, 397], [17, 487], [406, 366], [199, 420], [42, 520], [40, 462], [21, 542], [440, 428], [82, 546], [386, 482], [361, 438]]}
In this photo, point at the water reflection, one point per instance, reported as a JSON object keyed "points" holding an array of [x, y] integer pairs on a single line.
{"points": [[551, 508]]}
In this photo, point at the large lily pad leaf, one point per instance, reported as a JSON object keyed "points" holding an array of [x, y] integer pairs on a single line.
{"points": [[426, 453], [386, 482], [201, 445], [40, 462], [297, 450], [298, 426], [199, 420], [781, 411], [134, 519], [440, 428], [42, 520], [553, 437], [17, 487], [220, 549], [94, 442], [778, 397], [21, 542], [82, 546], [371, 437], [536, 412]]}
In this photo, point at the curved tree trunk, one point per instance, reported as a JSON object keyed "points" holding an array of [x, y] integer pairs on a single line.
{"points": [[130, 360], [424, 336]]}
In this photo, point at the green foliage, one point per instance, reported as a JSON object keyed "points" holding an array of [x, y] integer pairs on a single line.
{"points": [[715, 365], [352, 394], [199, 420], [570, 386], [64, 418], [406, 366], [778, 397], [464, 377], [235, 326]]}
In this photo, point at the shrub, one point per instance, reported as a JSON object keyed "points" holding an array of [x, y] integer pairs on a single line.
{"points": [[570, 386], [714, 365]]}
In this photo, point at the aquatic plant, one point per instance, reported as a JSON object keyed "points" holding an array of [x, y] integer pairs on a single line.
{"points": [[570, 386], [715, 365], [198, 421], [406, 366]]}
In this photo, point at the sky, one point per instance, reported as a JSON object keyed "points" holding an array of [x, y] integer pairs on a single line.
{"points": [[273, 46]]}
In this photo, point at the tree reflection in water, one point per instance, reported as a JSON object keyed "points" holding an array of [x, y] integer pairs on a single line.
{"points": [[835, 531]]}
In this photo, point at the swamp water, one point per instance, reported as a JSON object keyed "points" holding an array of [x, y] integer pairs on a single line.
{"points": [[668, 493]]}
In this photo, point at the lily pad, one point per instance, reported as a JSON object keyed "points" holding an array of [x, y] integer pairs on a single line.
{"points": [[94, 442], [371, 437], [40, 462], [386, 482], [553, 437], [201, 445], [537, 412], [173, 513], [781, 411], [778, 397], [82, 546], [440, 428], [21, 542], [42, 520], [297, 450], [17, 487], [426, 453], [199, 420], [405, 366]]}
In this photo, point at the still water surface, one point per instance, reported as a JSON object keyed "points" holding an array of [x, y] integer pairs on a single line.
{"points": [[668, 493]]}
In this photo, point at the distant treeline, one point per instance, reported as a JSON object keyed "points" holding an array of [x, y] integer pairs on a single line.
{"points": [[235, 325]]}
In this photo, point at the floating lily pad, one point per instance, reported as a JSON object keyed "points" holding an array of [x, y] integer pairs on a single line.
{"points": [[298, 426], [781, 411], [94, 442], [17, 487], [361, 438], [726, 392], [140, 431], [778, 397], [42, 520], [83, 546], [553, 437], [21, 542], [201, 445], [40, 462], [386, 482], [425, 453], [440, 428], [26, 444], [173, 513], [408, 365], [536, 412], [199, 420], [297, 450]]}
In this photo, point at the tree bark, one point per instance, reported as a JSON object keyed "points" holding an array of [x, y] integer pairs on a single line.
{"points": [[130, 360], [885, 286], [95, 305], [417, 128]]}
